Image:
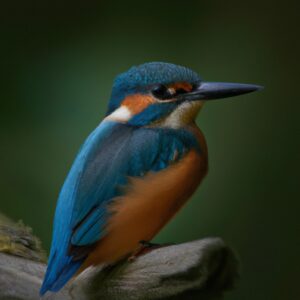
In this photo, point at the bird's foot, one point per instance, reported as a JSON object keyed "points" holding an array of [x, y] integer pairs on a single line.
{"points": [[145, 247]]}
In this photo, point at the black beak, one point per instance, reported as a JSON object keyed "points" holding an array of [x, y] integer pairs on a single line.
{"points": [[217, 90]]}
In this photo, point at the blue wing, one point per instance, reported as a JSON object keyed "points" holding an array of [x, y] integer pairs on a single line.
{"points": [[112, 153]]}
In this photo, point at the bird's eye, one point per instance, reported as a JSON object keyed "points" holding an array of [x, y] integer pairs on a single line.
{"points": [[180, 91], [161, 92], [195, 86]]}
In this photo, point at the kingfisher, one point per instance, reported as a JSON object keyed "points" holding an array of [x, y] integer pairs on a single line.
{"points": [[135, 171]]}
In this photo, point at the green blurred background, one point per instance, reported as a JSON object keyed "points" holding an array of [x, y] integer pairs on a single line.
{"points": [[58, 61]]}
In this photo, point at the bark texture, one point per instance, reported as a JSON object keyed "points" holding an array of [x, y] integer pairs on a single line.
{"points": [[201, 269]]}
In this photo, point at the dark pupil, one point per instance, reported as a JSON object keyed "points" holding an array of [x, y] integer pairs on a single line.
{"points": [[161, 92], [180, 91]]}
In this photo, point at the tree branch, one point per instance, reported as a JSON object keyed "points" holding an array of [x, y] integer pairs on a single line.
{"points": [[201, 269]]}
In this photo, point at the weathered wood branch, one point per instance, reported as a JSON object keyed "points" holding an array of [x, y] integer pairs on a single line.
{"points": [[201, 269]]}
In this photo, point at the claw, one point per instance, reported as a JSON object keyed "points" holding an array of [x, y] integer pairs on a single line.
{"points": [[145, 247]]}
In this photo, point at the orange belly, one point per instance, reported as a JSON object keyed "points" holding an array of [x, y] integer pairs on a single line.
{"points": [[147, 206]]}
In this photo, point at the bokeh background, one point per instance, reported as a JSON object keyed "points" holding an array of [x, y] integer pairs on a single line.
{"points": [[58, 61]]}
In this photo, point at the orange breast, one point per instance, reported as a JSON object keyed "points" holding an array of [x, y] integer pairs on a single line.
{"points": [[148, 205]]}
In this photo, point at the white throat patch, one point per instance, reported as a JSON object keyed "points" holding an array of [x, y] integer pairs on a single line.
{"points": [[184, 114]]}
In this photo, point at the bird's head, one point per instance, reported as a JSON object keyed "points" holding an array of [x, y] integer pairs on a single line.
{"points": [[165, 94]]}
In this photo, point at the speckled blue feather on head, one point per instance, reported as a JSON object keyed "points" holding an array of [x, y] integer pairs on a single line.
{"points": [[138, 80]]}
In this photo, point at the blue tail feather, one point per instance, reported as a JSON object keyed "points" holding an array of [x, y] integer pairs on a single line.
{"points": [[56, 277]]}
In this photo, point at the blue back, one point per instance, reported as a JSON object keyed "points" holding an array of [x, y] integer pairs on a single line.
{"points": [[110, 154]]}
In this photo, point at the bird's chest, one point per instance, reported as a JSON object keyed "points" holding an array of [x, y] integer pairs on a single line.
{"points": [[151, 201], [148, 204]]}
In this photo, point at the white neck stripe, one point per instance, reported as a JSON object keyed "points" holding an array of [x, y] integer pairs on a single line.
{"points": [[121, 114]]}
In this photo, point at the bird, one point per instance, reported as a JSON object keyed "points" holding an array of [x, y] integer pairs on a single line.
{"points": [[135, 171]]}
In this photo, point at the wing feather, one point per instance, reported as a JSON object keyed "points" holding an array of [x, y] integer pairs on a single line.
{"points": [[111, 154]]}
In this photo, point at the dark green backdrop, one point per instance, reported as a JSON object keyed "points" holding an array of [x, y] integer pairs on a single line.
{"points": [[58, 61]]}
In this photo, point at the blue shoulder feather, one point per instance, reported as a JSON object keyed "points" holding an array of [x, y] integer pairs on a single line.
{"points": [[112, 153]]}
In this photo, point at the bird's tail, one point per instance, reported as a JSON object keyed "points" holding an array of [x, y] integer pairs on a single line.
{"points": [[59, 271]]}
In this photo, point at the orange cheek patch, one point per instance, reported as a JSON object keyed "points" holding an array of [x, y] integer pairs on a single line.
{"points": [[137, 103], [182, 85]]}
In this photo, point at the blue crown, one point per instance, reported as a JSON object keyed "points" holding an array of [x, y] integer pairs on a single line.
{"points": [[139, 78]]}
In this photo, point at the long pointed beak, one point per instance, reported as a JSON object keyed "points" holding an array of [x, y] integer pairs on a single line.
{"points": [[217, 90]]}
